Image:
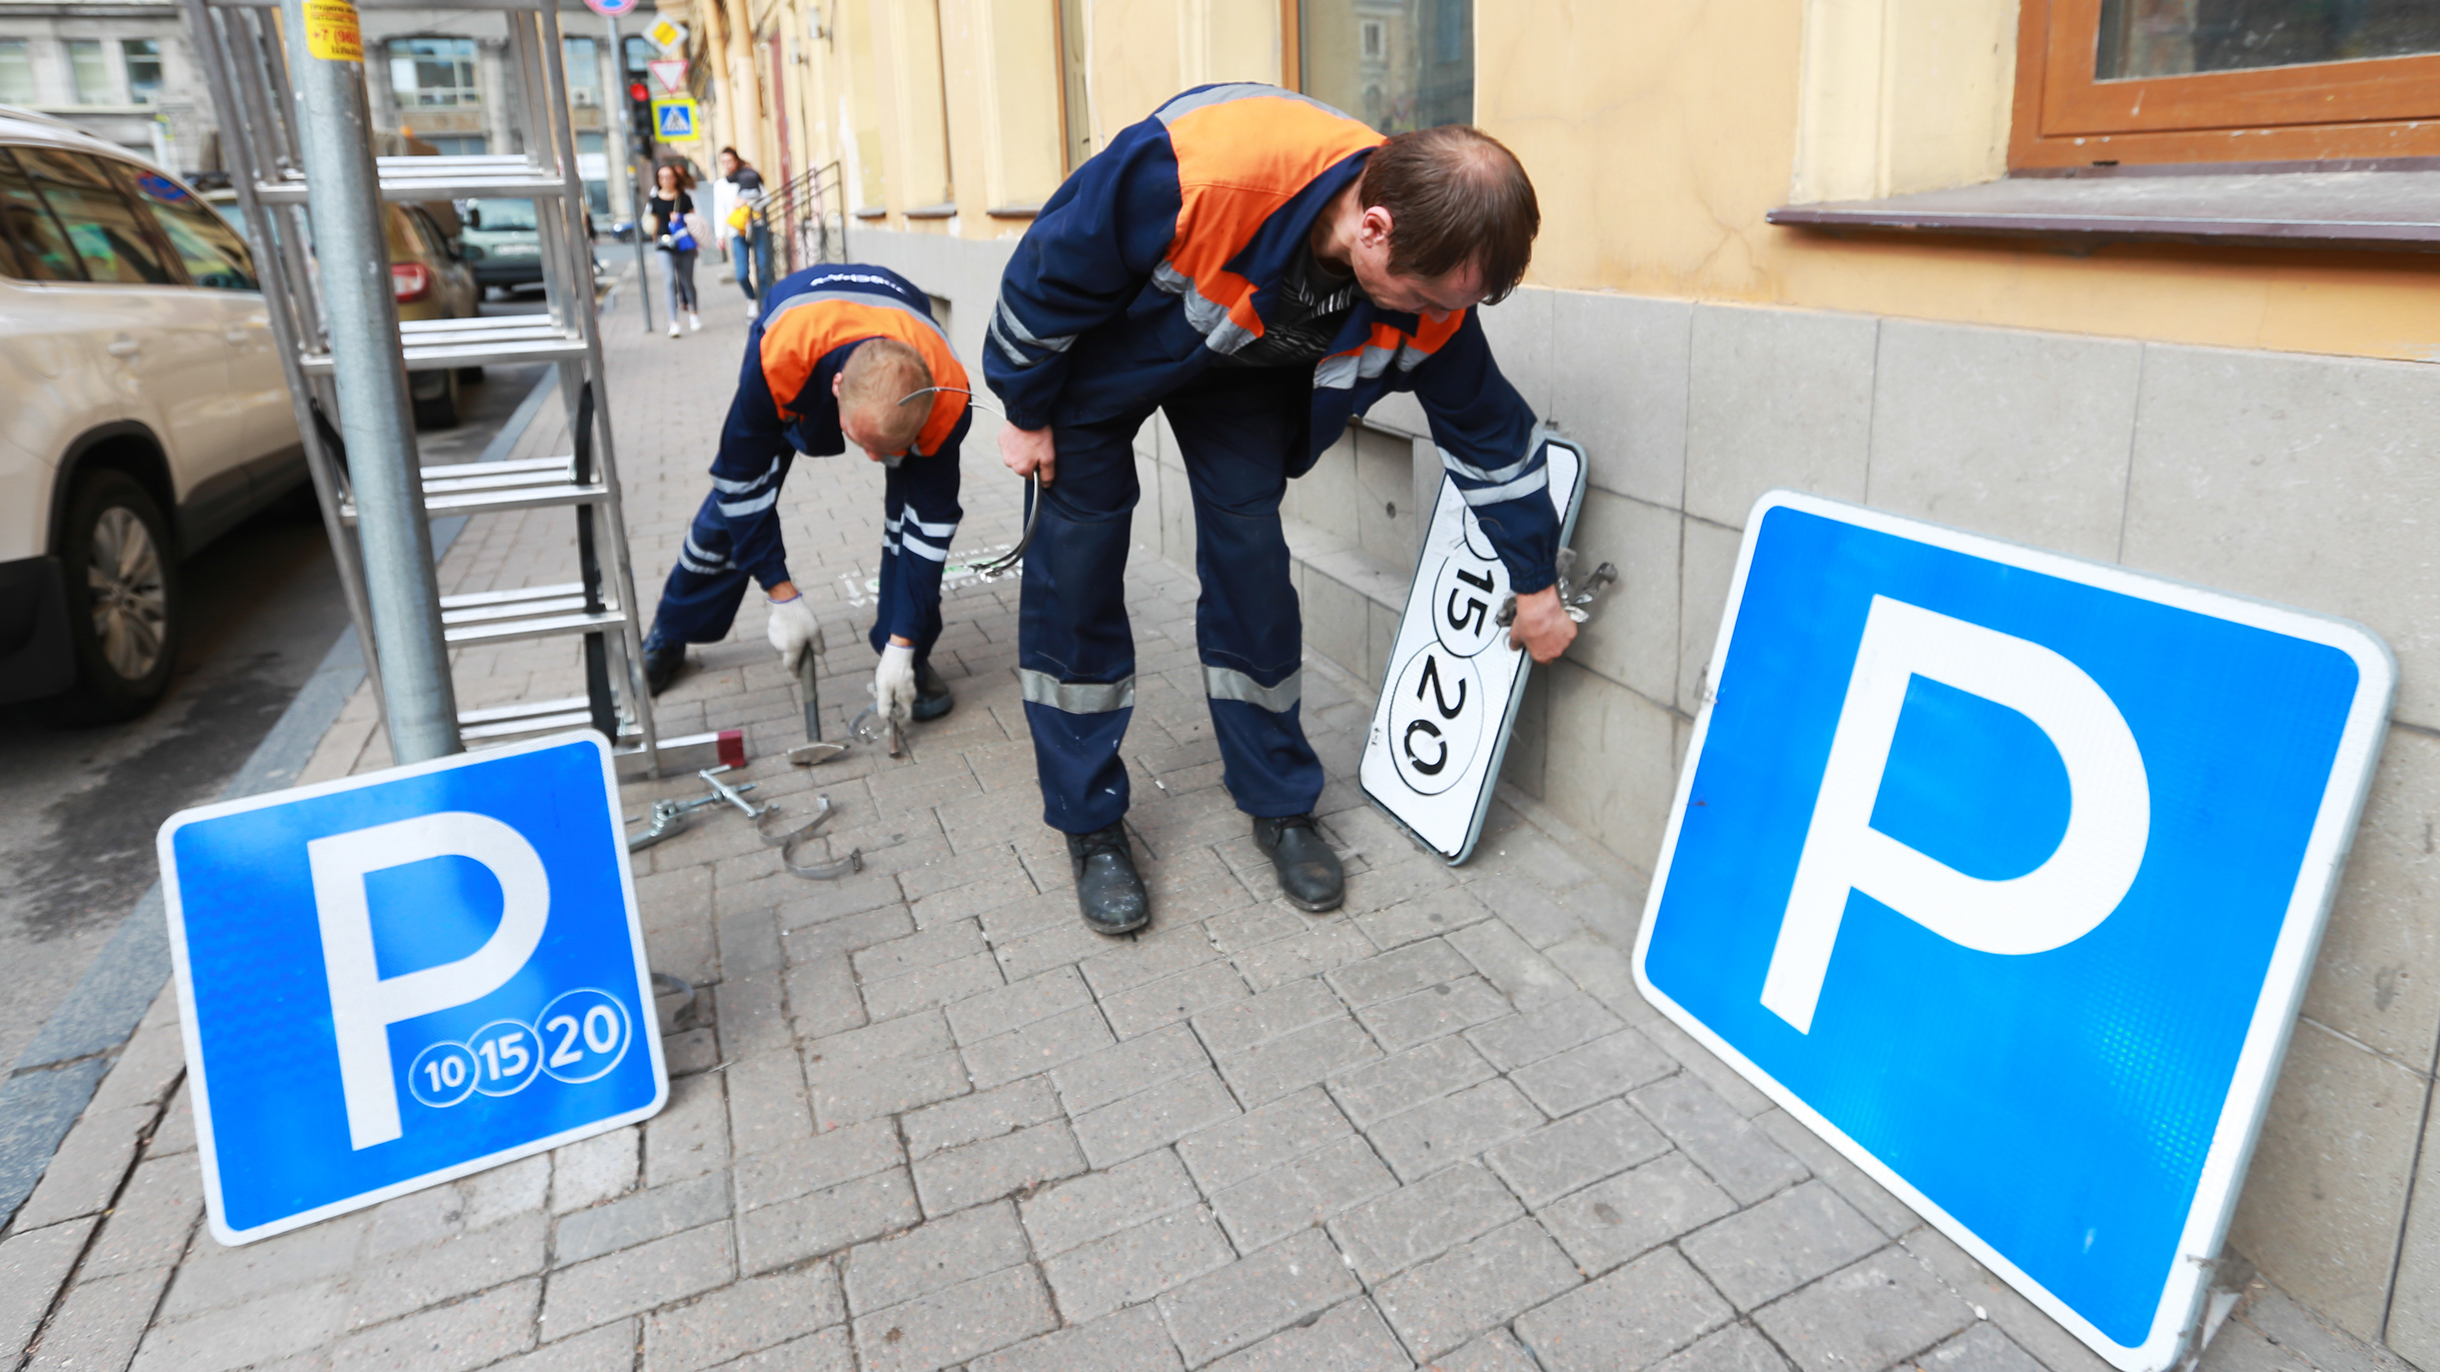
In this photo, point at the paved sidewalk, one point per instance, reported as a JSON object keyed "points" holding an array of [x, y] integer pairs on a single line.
{"points": [[923, 1119]]}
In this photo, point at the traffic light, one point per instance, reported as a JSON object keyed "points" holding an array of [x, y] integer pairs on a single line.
{"points": [[639, 118]]}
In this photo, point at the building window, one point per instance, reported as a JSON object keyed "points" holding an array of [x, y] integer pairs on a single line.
{"points": [[143, 58], [16, 72], [584, 68], [2130, 81], [1395, 64], [89, 73], [433, 73], [460, 145]]}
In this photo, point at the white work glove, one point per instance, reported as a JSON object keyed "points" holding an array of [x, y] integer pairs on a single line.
{"points": [[894, 682], [793, 631]]}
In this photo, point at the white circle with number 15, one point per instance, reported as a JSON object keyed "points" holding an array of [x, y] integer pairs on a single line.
{"points": [[1436, 719], [584, 1034], [505, 1057]]}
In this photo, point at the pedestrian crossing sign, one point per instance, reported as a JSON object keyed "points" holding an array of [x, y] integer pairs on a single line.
{"points": [[673, 119]]}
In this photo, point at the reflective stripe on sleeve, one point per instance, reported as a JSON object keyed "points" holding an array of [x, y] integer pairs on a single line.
{"points": [[1458, 466], [1522, 486]]}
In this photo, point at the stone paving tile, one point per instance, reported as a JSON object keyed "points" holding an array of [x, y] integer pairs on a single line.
{"points": [[2054, 1347], [933, 1257], [1400, 972], [1497, 1351], [1150, 1119], [1737, 1348], [1729, 1146], [1426, 916], [33, 1263], [1098, 1204], [1605, 1067], [1039, 1046], [1132, 1340], [1255, 1297], [1293, 1061], [1631, 1318], [754, 1314], [956, 1325], [817, 1163], [100, 1322], [1451, 1299], [1318, 949], [985, 1114], [1136, 1263], [1869, 1314], [1346, 1338], [412, 1279], [1235, 1030], [1280, 1132], [933, 986], [1576, 1151], [213, 1276], [1442, 1008], [149, 1226], [638, 1279], [891, 1089], [469, 1334], [1302, 1193], [1527, 978], [1416, 1223], [992, 1013], [1155, 1004], [1606, 1224], [826, 1221], [298, 1320], [1456, 1127], [1548, 1029], [1758, 1254], [929, 948], [1164, 950], [767, 1102], [826, 1350], [640, 1218], [1889, 1214], [989, 1168]]}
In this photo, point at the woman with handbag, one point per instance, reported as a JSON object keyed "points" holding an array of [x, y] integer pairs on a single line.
{"points": [[669, 209]]}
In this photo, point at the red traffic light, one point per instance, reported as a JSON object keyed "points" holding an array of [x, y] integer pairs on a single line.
{"points": [[636, 91]]}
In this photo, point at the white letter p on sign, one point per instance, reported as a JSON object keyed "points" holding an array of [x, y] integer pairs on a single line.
{"points": [[363, 1003], [2075, 888]]}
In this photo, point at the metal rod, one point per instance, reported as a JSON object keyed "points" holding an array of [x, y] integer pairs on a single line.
{"points": [[625, 162], [374, 414]]}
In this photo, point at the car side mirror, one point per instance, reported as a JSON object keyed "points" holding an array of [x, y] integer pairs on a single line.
{"points": [[473, 218]]}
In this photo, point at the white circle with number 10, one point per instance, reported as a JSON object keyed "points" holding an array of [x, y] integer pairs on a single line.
{"points": [[505, 1057], [442, 1075], [584, 1034], [1436, 720]]}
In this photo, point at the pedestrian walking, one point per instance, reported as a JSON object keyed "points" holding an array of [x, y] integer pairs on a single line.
{"points": [[845, 354], [1261, 268], [669, 212], [738, 211]]}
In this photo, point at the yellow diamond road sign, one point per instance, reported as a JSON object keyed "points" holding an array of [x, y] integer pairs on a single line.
{"points": [[666, 33]]}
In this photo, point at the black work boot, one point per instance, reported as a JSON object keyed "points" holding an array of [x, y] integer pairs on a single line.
{"points": [[662, 663], [932, 698], [1108, 892], [1309, 873]]}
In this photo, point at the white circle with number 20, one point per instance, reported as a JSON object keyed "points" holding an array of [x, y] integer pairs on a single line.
{"points": [[584, 1034], [442, 1075], [1435, 720], [505, 1059]]}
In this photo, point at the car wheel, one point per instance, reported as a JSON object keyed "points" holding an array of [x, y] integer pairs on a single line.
{"points": [[123, 602], [440, 411]]}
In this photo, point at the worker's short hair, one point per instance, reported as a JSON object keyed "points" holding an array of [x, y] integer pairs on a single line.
{"points": [[1455, 195], [878, 375]]}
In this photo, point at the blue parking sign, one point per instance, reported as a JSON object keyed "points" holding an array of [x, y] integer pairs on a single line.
{"points": [[395, 979], [2003, 871]]}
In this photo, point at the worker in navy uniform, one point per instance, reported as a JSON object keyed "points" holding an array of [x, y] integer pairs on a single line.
{"points": [[844, 354], [1261, 268]]}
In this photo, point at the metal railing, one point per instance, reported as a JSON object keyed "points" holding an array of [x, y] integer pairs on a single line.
{"points": [[807, 219]]}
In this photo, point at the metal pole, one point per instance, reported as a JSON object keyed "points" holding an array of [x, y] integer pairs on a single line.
{"points": [[626, 179], [335, 124]]}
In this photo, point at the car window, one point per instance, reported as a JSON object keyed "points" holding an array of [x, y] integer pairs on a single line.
{"points": [[214, 257], [507, 216], [109, 238], [435, 245], [43, 252]]}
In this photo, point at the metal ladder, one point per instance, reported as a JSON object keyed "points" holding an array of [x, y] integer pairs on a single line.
{"points": [[245, 65]]}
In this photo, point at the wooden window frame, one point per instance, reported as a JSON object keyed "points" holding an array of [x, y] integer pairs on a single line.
{"points": [[2385, 107]]}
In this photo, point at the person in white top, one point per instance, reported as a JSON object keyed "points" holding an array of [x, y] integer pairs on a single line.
{"points": [[750, 249]]}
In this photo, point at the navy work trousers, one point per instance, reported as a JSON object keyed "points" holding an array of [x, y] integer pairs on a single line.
{"points": [[700, 599], [1239, 430]]}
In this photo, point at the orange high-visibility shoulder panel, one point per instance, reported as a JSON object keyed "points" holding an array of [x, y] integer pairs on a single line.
{"points": [[1239, 161]]}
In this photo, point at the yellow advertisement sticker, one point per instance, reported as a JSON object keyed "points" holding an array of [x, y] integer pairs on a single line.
{"points": [[331, 31]]}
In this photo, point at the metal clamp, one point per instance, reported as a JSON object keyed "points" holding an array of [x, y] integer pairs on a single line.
{"points": [[1015, 557], [1576, 599], [734, 795], [872, 726], [762, 827], [667, 814]]}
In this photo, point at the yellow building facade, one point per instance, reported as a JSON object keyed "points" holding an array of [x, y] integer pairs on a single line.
{"points": [[2229, 383]]}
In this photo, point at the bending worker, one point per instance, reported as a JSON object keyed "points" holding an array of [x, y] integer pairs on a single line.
{"points": [[838, 358], [1261, 268]]}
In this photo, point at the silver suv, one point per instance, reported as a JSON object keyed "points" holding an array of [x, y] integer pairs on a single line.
{"points": [[143, 413]]}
